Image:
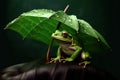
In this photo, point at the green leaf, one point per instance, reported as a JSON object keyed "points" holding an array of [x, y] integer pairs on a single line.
{"points": [[91, 40], [87, 29], [40, 24]]}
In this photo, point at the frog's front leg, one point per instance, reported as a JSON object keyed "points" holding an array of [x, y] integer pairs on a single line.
{"points": [[74, 55], [54, 60]]}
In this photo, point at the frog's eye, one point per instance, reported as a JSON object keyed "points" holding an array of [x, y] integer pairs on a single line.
{"points": [[64, 34]]}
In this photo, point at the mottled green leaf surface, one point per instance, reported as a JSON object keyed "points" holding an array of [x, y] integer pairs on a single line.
{"points": [[40, 24], [92, 40]]}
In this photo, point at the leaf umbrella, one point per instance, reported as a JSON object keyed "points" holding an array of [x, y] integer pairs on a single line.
{"points": [[91, 40], [40, 24]]}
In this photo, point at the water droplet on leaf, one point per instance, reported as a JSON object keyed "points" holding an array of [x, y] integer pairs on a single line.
{"points": [[70, 20], [85, 30], [98, 40], [56, 15]]}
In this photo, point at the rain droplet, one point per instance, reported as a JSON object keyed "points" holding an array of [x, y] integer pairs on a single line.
{"points": [[86, 26], [85, 30], [64, 19], [98, 40], [70, 20], [57, 15]]}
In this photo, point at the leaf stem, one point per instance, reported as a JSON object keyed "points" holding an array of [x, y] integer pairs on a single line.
{"points": [[52, 40]]}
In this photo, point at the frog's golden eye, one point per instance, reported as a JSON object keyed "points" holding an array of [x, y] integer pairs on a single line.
{"points": [[64, 34]]}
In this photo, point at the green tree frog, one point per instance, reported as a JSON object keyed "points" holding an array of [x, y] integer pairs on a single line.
{"points": [[68, 48]]}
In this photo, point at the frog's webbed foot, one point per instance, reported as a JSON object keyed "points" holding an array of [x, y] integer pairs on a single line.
{"points": [[55, 60], [66, 60], [63, 60], [84, 63]]}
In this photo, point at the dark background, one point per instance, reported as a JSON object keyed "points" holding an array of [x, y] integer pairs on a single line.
{"points": [[101, 14]]}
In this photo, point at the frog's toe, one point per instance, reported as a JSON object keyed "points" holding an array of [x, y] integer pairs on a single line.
{"points": [[63, 60], [66, 60], [54, 60], [84, 63]]}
